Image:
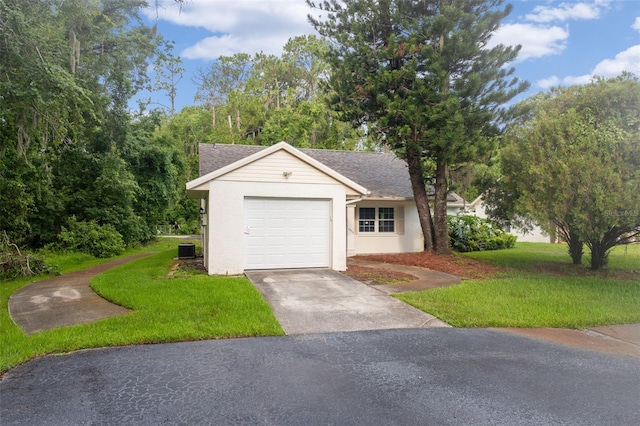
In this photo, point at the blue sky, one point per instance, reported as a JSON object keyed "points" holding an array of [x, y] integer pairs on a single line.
{"points": [[563, 42]]}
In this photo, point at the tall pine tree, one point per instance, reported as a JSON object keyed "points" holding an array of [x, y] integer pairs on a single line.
{"points": [[421, 77]]}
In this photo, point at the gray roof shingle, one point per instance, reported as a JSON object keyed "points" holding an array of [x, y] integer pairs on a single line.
{"points": [[384, 174]]}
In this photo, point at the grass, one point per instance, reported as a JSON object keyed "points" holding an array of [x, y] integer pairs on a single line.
{"points": [[542, 289], [529, 256], [164, 309]]}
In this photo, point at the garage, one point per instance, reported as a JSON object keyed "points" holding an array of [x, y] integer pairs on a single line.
{"points": [[285, 233], [272, 207]]}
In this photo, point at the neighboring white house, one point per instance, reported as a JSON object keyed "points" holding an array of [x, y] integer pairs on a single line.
{"points": [[280, 207], [535, 235]]}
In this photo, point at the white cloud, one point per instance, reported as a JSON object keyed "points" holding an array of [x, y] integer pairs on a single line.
{"points": [[579, 79], [627, 60], [552, 81], [227, 45], [546, 83], [248, 26], [636, 24], [537, 34], [567, 11], [536, 40]]}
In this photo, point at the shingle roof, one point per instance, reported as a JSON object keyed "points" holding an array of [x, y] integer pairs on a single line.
{"points": [[383, 174]]}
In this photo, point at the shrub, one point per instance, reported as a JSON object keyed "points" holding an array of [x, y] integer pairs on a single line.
{"points": [[14, 263], [90, 237], [471, 233]]}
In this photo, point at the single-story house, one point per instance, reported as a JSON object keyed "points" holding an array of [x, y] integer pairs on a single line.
{"points": [[281, 207], [534, 235]]}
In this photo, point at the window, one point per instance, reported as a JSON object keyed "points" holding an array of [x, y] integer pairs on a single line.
{"points": [[380, 219], [367, 219], [385, 219]]}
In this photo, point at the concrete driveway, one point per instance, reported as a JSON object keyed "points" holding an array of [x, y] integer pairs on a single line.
{"points": [[322, 300]]}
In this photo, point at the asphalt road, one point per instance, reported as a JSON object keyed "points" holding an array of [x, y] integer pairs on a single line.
{"points": [[388, 377]]}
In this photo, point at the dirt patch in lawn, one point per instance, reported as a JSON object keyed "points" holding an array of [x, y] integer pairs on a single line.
{"points": [[378, 276], [187, 267], [468, 268], [451, 264]]}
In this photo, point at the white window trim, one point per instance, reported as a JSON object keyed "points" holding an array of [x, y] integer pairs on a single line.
{"points": [[398, 221]]}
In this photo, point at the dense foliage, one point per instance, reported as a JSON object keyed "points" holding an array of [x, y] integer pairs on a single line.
{"points": [[424, 80], [14, 263], [89, 237], [69, 147], [264, 99], [471, 233], [574, 163]]}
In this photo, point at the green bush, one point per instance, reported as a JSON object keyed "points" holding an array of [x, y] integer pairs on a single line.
{"points": [[90, 237], [471, 233], [14, 263]]}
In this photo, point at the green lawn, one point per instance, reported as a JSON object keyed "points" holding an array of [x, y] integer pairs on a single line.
{"points": [[530, 256], [541, 289], [191, 307]]}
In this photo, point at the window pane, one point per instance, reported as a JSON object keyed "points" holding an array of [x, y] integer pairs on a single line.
{"points": [[366, 226], [367, 219], [386, 222], [367, 213], [385, 226], [385, 213]]}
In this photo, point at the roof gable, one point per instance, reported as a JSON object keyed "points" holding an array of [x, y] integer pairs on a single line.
{"points": [[384, 175], [220, 160]]}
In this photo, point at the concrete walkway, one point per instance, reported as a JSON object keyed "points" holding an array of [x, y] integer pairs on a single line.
{"points": [[332, 303], [427, 278], [622, 339], [63, 300], [322, 300]]}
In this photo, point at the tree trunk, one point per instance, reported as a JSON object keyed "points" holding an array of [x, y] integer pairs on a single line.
{"points": [[600, 249], [416, 173], [574, 244], [575, 247], [599, 255], [441, 236]]}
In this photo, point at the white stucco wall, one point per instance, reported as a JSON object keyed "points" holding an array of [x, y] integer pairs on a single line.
{"points": [[226, 219], [392, 242], [536, 235], [277, 175]]}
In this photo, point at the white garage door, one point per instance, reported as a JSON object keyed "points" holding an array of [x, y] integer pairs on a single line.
{"points": [[287, 233]]}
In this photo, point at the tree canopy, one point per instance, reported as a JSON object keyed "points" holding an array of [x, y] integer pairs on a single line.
{"points": [[264, 99], [70, 151], [421, 77], [574, 163]]}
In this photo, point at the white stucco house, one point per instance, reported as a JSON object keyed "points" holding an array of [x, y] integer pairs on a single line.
{"points": [[535, 235], [280, 207]]}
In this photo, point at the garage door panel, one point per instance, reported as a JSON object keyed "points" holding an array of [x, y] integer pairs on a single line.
{"points": [[275, 259], [287, 233]]}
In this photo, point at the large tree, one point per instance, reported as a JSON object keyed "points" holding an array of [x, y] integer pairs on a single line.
{"points": [[169, 72], [226, 76], [421, 77], [575, 163], [265, 99], [68, 70]]}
